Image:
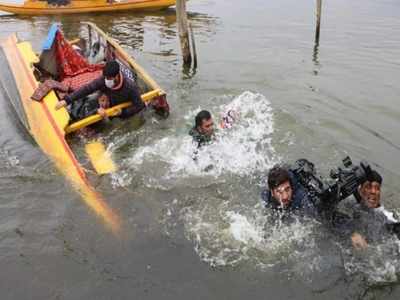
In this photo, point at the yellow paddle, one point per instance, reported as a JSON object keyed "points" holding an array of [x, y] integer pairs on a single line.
{"points": [[100, 157]]}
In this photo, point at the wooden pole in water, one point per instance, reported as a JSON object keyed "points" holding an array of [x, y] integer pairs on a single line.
{"points": [[319, 8], [183, 31], [193, 47]]}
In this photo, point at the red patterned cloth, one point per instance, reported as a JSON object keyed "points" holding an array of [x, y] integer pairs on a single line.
{"points": [[77, 81], [70, 62]]}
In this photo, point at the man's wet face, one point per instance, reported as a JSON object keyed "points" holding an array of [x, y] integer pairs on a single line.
{"points": [[207, 127], [370, 193], [283, 194]]}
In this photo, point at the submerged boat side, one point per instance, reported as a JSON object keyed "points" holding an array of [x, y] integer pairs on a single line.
{"points": [[84, 6], [47, 125]]}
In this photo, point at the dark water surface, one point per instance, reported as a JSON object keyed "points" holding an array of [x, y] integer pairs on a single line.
{"points": [[191, 231]]}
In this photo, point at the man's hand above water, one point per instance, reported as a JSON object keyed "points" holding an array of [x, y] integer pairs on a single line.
{"points": [[358, 241]]}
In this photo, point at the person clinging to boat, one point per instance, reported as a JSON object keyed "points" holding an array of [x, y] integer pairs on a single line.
{"points": [[115, 87], [104, 103]]}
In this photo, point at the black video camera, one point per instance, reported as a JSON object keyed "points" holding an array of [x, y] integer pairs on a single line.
{"points": [[343, 183]]}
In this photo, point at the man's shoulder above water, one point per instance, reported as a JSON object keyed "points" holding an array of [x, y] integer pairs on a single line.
{"points": [[199, 137]]}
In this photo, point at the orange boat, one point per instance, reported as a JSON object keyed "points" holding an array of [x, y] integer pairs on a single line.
{"points": [[36, 7]]}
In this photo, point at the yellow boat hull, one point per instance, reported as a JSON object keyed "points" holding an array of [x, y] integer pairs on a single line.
{"points": [[84, 6], [46, 125], [49, 126]]}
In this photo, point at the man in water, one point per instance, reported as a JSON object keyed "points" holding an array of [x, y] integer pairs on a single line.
{"points": [[371, 221], [285, 193], [116, 86], [203, 130]]}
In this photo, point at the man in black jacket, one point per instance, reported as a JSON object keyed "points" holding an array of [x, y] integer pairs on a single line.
{"points": [[371, 221], [117, 87]]}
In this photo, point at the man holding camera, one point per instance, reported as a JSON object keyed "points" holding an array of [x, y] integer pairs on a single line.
{"points": [[370, 220], [300, 189]]}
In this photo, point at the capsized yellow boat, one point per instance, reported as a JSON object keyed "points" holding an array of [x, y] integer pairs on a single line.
{"points": [[20, 76], [55, 7]]}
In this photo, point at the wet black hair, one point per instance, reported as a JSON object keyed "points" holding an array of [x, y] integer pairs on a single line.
{"points": [[203, 115], [111, 69], [374, 176], [278, 175]]}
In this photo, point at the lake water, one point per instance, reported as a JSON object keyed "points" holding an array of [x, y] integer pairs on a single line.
{"points": [[196, 229]]}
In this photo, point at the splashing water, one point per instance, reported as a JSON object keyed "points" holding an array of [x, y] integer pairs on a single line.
{"points": [[121, 179], [228, 237], [242, 149], [242, 230], [379, 263], [223, 236], [9, 161]]}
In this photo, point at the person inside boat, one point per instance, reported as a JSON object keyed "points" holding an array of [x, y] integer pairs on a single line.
{"points": [[203, 130], [88, 106], [113, 84], [104, 103]]}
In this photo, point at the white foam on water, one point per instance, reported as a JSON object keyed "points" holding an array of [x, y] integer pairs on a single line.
{"points": [[379, 263], [242, 230], [224, 237], [121, 179], [9, 160], [242, 149]]}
